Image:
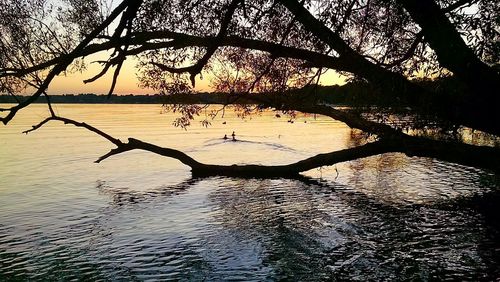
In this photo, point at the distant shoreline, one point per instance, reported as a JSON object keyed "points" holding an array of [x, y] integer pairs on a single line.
{"points": [[194, 98], [325, 94], [91, 99], [352, 93]]}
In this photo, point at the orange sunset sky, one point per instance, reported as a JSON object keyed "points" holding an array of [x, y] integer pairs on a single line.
{"points": [[128, 83]]}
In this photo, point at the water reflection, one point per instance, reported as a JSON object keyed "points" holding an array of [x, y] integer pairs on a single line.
{"points": [[338, 233], [123, 195], [253, 229]]}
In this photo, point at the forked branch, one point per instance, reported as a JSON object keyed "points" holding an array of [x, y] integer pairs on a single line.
{"points": [[212, 47], [61, 64], [97, 131]]}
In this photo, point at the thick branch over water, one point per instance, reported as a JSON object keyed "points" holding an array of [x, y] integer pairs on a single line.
{"points": [[478, 156]]}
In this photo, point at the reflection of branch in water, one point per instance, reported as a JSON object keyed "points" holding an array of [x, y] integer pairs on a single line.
{"points": [[276, 213], [312, 228], [126, 196], [305, 219]]}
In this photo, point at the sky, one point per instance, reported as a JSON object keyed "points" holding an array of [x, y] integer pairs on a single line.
{"points": [[128, 82]]}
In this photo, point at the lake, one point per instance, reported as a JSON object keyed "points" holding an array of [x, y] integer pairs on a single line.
{"points": [[139, 216]]}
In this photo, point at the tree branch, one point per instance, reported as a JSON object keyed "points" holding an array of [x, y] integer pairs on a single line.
{"points": [[410, 52], [353, 121], [106, 136], [241, 170], [457, 5], [212, 46], [107, 65], [181, 40], [478, 156], [65, 61], [113, 152], [393, 84]]}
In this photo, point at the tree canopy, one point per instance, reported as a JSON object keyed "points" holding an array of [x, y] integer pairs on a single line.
{"points": [[264, 46]]}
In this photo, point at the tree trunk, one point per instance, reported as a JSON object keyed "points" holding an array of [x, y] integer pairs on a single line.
{"points": [[475, 111], [483, 82], [392, 85]]}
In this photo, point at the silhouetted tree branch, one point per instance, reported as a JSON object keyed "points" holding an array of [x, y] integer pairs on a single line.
{"points": [[482, 80], [478, 156], [63, 62]]}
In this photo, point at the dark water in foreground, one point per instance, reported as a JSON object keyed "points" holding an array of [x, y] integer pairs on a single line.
{"points": [[142, 217]]}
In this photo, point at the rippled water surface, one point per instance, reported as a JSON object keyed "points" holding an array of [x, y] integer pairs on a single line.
{"points": [[138, 216]]}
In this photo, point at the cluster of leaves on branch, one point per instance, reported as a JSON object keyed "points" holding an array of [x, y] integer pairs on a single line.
{"points": [[479, 23]]}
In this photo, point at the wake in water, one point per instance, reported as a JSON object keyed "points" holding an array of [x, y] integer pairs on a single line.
{"points": [[275, 146]]}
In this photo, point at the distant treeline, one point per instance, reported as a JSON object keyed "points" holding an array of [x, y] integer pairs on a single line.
{"points": [[328, 93], [89, 98], [311, 94], [352, 93]]}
